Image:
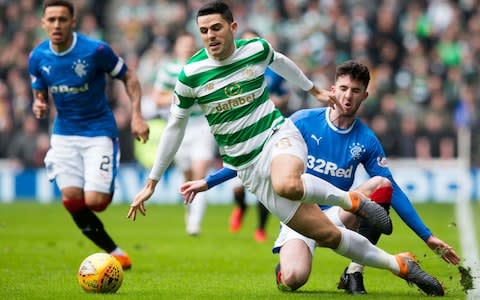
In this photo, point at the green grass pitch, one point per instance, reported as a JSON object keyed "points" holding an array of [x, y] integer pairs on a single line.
{"points": [[41, 249]]}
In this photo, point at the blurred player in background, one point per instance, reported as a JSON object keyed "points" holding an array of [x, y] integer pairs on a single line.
{"points": [[84, 153], [324, 126], [197, 151], [226, 80]]}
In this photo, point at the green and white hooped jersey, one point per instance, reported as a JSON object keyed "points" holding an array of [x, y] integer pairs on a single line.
{"points": [[233, 95], [167, 78]]}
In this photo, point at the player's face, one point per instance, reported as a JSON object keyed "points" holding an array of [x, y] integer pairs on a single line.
{"points": [[217, 35], [59, 23], [350, 94]]}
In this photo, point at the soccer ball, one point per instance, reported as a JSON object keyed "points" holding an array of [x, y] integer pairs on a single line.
{"points": [[100, 273]]}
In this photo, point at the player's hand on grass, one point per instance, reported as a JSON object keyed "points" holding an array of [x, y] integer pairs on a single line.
{"points": [[190, 189], [443, 249], [139, 201], [40, 105], [140, 128]]}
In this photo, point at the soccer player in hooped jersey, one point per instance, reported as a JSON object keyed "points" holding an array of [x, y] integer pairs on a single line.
{"points": [[84, 154], [321, 127], [266, 149]]}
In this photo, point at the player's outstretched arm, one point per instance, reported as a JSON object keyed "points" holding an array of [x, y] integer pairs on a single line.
{"points": [[139, 201], [139, 127], [443, 249], [404, 208], [190, 189], [325, 97], [169, 143]]}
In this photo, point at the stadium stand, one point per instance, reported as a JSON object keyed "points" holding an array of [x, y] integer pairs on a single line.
{"points": [[424, 57]]}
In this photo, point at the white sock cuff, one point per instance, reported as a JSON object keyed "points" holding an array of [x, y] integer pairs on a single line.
{"points": [[305, 187], [344, 244], [354, 267], [319, 191]]}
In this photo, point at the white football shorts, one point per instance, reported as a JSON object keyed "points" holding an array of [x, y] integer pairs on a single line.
{"points": [[256, 178], [198, 143], [89, 163], [287, 233]]}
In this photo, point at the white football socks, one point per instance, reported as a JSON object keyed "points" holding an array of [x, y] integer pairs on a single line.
{"points": [[117, 251], [354, 267], [319, 191], [195, 212], [359, 249]]}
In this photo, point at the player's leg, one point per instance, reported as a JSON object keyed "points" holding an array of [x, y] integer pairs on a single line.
{"points": [[183, 161], [260, 232], [296, 252], [295, 265], [308, 220], [74, 202], [199, 138], [101, 156], [295, 255], [238, 212], [379, 190], [288, 156], [197, 208], [64, 163]]}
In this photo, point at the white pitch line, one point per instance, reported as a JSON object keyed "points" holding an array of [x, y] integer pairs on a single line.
{"points": [[468, 243]]}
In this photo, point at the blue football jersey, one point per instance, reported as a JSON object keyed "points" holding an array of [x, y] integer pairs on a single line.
{"points": [[76, 80], [334, 155]]}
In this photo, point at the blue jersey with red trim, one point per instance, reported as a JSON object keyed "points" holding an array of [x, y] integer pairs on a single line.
{"points": [[334, 155]]}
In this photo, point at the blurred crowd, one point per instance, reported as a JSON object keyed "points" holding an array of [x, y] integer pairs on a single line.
{"points": [[424, 58]]}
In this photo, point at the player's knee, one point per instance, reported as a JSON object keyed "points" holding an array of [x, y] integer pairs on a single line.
{"points": [[74, 205], [329, 237], [288, 188], [294, 278], [383, 193], [98, 202]]}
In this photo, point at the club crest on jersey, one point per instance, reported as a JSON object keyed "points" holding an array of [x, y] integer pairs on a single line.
{"points": [[249, 72], [233, 89], [210, 86], [356, 150], [80, 67]]}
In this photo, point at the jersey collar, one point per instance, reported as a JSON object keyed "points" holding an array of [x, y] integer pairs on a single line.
{"points": [[335, 128], [74, 42]]}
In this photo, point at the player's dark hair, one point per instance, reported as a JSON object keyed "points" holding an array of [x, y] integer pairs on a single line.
{"points": [[357, 71], [65, 3], [216, 7]]}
